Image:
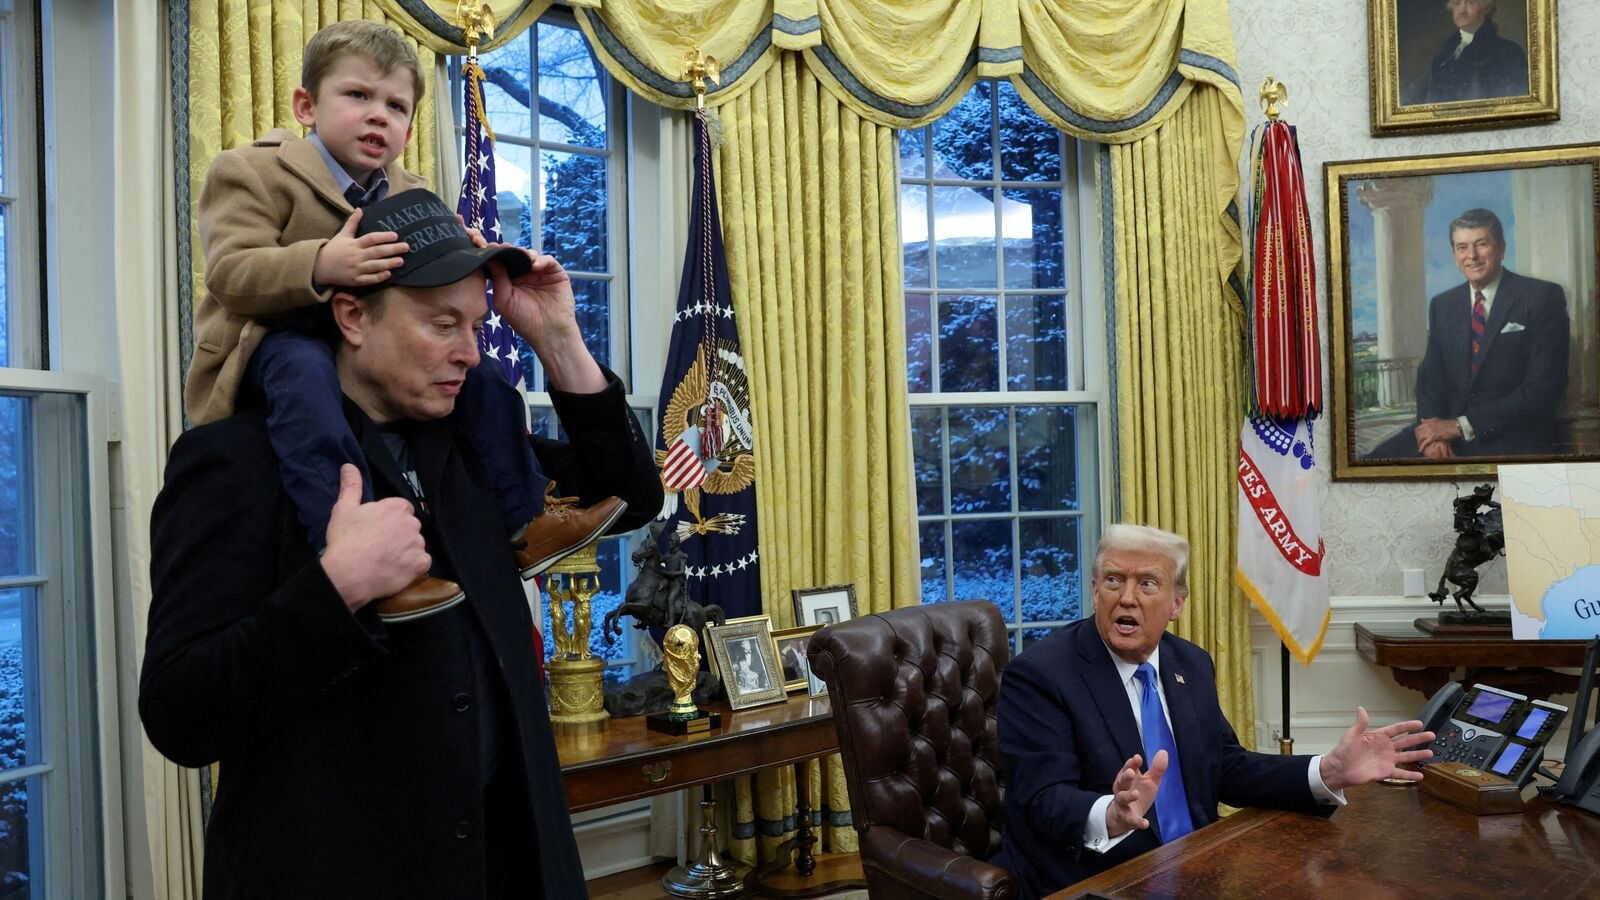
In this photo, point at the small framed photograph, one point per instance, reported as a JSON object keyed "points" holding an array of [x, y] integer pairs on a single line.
{"points": [[705, 639], [747, 659], [1442, 65], [792, 656], [828, 605], [1464, 311]]}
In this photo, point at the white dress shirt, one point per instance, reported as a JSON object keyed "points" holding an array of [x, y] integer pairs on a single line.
{"points": [[1094, 830]]}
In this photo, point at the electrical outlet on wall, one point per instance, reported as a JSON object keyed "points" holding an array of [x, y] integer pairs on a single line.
{"points": [[1416, 585]]}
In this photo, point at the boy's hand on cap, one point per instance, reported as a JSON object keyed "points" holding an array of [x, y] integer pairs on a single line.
{"points": [[348, 260], [478, 240]]}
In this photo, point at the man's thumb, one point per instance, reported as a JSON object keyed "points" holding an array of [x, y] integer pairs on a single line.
{"points": [[1158, 765], [349, 486]]}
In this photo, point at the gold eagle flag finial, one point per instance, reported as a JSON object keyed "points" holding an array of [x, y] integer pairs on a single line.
{"points": [[477, 24], [697, 69], [1274, 94]]}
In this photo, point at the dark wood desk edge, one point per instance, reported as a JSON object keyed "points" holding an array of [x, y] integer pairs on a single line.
{"points": [[692, 745], [1146, 866]]}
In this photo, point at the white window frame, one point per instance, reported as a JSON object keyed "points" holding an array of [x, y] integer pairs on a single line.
{"points": [[1089, 382], [80, 736]]}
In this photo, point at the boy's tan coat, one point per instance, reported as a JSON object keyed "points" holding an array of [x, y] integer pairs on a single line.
{"points": [[265, 211]]}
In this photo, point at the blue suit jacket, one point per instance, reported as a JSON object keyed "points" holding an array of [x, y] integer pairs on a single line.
{"points": [[1066, 729], [1513, 399]]}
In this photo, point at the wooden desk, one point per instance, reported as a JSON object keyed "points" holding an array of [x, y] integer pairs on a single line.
{"points": [[1389, 842], [1424, 662], [625, 760]]}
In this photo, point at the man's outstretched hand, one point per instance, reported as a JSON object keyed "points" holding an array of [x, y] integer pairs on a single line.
{"points": [[1363, 756], [1133, 793]]}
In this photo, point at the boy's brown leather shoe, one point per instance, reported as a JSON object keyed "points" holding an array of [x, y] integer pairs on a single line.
{"points": [[426, 596], [562, 528]]}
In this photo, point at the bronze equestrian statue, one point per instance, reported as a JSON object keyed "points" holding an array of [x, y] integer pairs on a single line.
{"points": [[1479, 538], [659, 595]]}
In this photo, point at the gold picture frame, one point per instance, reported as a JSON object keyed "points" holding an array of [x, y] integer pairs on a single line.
{"points": [[1424, 77], [1399, 308], [826, 605], [746, 651], [796, 677]]}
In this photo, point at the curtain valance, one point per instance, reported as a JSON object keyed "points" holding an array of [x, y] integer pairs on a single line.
{"points": [[1104, 70]]}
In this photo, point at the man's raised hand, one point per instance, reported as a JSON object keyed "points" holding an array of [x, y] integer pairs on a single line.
{"points": [[1133, 793], [350, 261], [374, 549], [1363, 756]]}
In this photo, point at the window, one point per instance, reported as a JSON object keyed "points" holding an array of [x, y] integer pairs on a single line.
{"points": [[19, 188], [49, 777], [1006, 406], [561, 158]]}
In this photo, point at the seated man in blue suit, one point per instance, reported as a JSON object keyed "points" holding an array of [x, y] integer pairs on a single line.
{"points": [[1082, 710]]}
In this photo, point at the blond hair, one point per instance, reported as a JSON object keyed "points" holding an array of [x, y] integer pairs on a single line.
{"points": [[1142, 538], [383, 44]]}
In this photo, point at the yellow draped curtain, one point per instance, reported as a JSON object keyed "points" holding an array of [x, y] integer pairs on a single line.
{"points": [[1181, 365], [806, 189], [244, 64]]}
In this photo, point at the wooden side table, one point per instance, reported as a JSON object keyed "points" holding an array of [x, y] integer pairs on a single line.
{"points": [[1424, 662]]}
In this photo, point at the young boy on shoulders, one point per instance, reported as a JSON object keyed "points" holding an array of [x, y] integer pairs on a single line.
{"points": [[278, 223]]}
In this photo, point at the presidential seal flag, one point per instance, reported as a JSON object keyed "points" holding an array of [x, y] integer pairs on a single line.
{"points": [[479, 208], [706, 440], [1280, 532]]}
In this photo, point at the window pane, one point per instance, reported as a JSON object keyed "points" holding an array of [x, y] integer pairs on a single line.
{"points": [[914, 234], [969, 344], [16, 488], [980, 451], [593, 296], [981, 554], [574, 207], [919, 343], [963, 226], [572, 90], [19, 682], [1033, 635], [933, 587], [18, 819], [506, 90], [914, 153], [1030, 149], [1047, 458], [543, 420], [1033, 239], [1050, 584], [963, 140], [514, 181], [927, 440], [1036, 342]]}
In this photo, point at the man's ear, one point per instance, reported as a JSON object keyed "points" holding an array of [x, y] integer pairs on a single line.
{"points": [[1177, 606], [302, 103], [351, 316]]}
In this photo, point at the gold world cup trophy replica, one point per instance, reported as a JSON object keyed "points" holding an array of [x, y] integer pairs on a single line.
{"points": [[680, 652]]}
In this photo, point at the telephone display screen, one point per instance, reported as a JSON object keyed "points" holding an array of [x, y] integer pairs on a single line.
{"points": [[1489, 707], [1508, 759], [1531, 725]]}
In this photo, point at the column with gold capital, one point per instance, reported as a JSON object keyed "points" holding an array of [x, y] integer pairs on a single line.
{"points": [[576, 694]]}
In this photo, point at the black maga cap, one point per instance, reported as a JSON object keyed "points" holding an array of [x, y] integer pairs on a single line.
{"points": [[441, 252]]}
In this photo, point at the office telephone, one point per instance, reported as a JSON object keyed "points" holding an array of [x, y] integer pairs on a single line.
{"points": [[1490, 729], [1580, 781]]}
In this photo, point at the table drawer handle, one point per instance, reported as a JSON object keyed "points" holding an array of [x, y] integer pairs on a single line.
{"points": [[657, 772]]}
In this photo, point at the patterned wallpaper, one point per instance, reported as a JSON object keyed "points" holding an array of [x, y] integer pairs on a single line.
{"points": [[1373, 530]]}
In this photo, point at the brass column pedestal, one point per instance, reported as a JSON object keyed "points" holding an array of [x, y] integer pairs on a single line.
{"points": [[577, 696], [708, 875]]}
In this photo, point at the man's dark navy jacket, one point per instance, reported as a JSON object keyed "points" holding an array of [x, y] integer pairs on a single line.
{"points": [[1066, 728]]}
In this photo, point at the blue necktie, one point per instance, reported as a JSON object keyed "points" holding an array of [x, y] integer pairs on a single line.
{"points": [[357, 195], [1172, 805]]}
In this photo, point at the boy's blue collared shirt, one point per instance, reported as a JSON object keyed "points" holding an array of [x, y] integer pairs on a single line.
{"points": [[376, 189]]}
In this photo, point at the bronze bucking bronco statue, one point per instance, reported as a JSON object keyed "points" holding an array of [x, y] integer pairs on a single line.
{"points": [[659, 595], [1479, 538]]}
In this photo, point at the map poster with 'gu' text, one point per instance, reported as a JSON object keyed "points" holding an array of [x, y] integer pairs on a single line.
{"points": [[1552, 525]]}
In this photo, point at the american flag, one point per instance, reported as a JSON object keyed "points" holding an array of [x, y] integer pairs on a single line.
{"points": [[479, 208]]}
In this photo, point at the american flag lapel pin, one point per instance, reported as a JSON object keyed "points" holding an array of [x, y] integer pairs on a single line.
{"points": [[1178, 678]]}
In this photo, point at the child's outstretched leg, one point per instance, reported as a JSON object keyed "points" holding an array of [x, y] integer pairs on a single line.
{"points": [[295, 374], [544, 528]]}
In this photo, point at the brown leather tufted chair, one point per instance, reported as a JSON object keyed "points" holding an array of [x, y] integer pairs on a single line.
{"points": [[914, 695]]}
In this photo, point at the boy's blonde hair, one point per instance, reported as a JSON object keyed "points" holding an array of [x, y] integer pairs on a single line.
{"points": [[383, 44]]}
